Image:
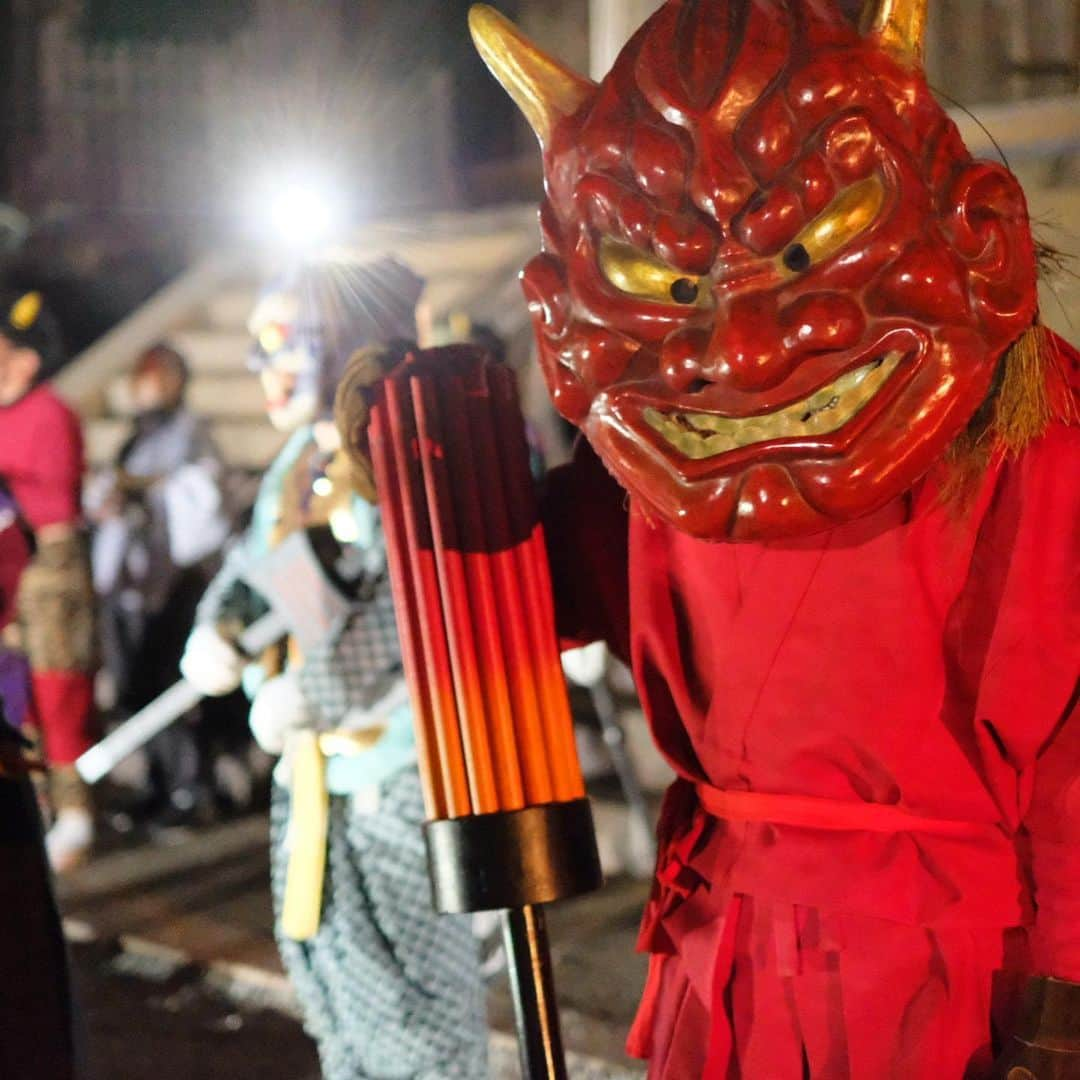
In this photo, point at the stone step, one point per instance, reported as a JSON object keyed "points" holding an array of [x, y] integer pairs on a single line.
{"points": [[200, 904], [230, 308], [213, 350], [220, 395], [227, 397]]}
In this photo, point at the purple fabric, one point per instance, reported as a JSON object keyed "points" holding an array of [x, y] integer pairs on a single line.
{"points": [[14, 687]]}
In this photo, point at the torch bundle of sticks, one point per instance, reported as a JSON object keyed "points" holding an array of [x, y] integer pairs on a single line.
{"points": [[472, 588], [509, 826]]}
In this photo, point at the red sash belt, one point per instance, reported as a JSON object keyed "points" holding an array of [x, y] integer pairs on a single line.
{"points": [[951, 873], [968, 879], [809, 812]]}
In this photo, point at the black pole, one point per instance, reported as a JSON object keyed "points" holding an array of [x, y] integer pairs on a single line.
{"points": [[515, 861], [532, 986]]}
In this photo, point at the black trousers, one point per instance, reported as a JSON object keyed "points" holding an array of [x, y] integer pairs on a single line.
{"points": [[36, 1018]]}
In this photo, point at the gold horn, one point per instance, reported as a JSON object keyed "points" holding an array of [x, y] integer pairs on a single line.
{"points": [[899, 26], [544, 90]]}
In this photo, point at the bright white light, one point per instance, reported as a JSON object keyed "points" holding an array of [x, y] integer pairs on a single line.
{"points": [[300, 210], [344, 526]]}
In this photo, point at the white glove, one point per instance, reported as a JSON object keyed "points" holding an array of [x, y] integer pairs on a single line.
{"points": [[585, 666], [210, 663], [279, 710]]}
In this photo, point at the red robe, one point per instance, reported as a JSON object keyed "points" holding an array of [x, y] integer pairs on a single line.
{"points": [[41, 458], [42, 464], [883, 720], [14, 555]]}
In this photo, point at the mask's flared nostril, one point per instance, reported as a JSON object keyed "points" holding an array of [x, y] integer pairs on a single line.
{"points": [[697, 386]]}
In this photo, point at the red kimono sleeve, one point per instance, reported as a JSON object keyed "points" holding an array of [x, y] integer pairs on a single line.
{"points": [[586, 526], [54, 497], [1053, 827], [1031, 682]]}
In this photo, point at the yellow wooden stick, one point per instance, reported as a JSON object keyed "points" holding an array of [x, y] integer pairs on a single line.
{"points": [[309, 816]]}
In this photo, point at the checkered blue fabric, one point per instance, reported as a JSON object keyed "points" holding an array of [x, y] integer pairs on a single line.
{"points": [[359, 662], [389, 989]]}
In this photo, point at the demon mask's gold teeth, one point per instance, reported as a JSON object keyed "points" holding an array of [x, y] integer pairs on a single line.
{"points": [[637, 273], [700, 435]]}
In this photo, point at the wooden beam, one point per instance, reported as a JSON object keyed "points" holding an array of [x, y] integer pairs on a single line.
{"points": [[611, 25], [1041, 127]]}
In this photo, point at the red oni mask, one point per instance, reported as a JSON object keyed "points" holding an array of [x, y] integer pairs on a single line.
{"points": [[775, 286]]}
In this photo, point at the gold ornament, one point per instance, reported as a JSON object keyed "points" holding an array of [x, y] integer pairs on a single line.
{"points": [[545, 90], [899, 26], [25, 311]]}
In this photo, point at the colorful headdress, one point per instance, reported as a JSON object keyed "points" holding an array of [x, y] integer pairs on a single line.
{"points": [[315, 317], [28, 323]]}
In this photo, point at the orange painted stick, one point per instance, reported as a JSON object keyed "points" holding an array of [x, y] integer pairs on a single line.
{"points": [[405, 603], [424, 573], [463, 455], [536, 583], [453, 585], [470, 577], [566, 766], [513, 615]]}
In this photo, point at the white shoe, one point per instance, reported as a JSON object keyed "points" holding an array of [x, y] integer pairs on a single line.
{"points": [[70, 840]]}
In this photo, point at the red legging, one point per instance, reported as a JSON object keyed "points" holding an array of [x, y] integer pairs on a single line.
{"points": [[63, 709]]}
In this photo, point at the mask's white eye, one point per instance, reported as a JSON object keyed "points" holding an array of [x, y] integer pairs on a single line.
{"points": [[637, 273]]}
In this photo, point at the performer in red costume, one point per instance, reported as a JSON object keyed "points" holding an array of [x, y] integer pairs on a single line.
{"points": [[36, 1030], [41, 464], [798, 324]]}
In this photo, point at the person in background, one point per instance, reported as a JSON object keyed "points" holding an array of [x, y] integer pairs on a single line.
{"points": [[36, 1028], [388, 988], [41, 465], [160, 516]]}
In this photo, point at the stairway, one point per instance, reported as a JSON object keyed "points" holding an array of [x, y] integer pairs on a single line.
{"points": [[221, 389], [470, 260]]}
